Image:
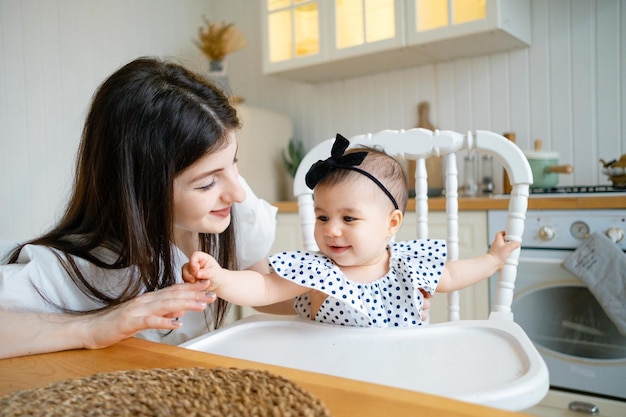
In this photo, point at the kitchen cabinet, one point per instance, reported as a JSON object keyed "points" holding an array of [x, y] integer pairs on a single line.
{"points": [[318, 40], [473, 241], [288, 233]]}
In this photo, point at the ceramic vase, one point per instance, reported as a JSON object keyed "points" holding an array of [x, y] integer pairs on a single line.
{"points": [[217, 74]]}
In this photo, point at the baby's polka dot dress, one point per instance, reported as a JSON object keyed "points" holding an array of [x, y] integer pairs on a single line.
{"points": [[394, 300]]}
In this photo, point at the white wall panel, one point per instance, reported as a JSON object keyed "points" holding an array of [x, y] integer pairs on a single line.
{"points": [[622, 80], [407, 101], [519, 96], [427, 83], [583, 101], [14, 119], [445, 97], [560, 74], [539, 63], [609, 65], [462, 93], [480, 104]]}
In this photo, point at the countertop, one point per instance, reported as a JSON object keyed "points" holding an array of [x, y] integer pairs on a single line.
{"points": [[343, 397], [500, 202]]}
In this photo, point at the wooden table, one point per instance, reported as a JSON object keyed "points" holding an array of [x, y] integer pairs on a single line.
{"points": [[343, 397]]}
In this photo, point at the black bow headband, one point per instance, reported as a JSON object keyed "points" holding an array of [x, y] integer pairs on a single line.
{"points": [[338, 160]]}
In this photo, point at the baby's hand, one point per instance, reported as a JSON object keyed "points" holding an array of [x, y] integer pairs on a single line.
{"points": [[501, 249], [201, 267]]}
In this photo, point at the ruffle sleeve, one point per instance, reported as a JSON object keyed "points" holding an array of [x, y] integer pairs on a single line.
{"points": [[318, 272], [420, 262], [308, 269]]}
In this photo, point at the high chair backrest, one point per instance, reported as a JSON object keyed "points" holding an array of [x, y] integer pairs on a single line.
{"points": [[419, 144]]}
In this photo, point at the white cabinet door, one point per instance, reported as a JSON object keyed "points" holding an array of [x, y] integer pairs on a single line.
{"points": [[445, 30], [359, 27], [294, 34], [288, 233]]}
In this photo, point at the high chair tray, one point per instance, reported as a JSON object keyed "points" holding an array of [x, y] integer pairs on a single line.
{"points": [[479, 361]]}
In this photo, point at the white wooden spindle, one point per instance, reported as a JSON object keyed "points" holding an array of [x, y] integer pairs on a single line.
{"points": [[421, 198], [452, 226]]}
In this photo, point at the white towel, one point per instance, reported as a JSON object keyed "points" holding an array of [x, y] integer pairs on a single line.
{"points": [[601, 264]]}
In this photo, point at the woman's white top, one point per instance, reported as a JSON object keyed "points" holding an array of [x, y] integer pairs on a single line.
{"points": [[38, 271]]}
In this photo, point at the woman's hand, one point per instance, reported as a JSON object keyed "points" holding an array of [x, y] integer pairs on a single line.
{"points": [[43, 333], [162, 309]]}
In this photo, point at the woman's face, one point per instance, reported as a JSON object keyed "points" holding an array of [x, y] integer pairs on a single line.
{"points": [[205, 191]]}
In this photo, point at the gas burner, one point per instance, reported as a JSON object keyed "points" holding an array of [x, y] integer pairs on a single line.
{"points": [[578, 189]]}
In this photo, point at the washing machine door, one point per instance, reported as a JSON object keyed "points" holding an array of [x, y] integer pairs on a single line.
{"points": [[568, 320], [581, 345]]}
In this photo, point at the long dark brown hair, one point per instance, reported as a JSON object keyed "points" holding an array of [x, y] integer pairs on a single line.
{"points": [[148, 121]]}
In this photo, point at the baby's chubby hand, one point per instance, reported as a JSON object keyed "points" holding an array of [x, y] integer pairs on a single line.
{"points": [[201, 267], [501, 248]]}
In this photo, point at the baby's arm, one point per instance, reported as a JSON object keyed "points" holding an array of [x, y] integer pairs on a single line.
{"points": [[245, 288], [463, 273]]}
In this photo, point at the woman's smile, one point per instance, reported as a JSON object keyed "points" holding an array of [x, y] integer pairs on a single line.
{"points": [[225, 212]]}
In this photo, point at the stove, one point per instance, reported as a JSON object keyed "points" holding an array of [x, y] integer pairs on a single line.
{"points": [[578, 189]]}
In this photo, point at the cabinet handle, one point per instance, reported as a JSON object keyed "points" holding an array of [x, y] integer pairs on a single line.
{"points": [[583, 407]]}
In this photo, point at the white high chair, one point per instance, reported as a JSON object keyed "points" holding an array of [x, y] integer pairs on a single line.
{"points": [[490, 362]]}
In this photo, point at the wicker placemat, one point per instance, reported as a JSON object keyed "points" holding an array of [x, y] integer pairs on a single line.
{"points": [[167, 392]]}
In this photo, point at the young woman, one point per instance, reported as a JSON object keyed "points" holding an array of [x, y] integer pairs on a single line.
{"points": [[156, 179], [359, 277]]}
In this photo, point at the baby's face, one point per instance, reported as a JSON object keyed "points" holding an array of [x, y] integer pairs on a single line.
{"points": [[352, 224]]}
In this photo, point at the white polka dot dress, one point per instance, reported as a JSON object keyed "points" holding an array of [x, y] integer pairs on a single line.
{"points": [[394, 300]]}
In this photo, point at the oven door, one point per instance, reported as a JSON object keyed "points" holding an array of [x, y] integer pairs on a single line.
{"points": [[582, 347]]}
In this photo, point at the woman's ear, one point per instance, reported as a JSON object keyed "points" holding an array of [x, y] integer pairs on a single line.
{"points": [[395, 221]]}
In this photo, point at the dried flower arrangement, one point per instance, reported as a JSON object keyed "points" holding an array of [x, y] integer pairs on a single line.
{"points": [[216, 40]]}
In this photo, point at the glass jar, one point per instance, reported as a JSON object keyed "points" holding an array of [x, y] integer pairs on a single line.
{"points": [[470, 186], [486, 170]]}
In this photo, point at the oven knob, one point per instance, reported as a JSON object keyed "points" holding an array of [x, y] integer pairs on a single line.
{"points": [[546, 233], [615, 234]]}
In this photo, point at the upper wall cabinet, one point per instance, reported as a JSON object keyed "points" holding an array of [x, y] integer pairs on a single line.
{"points": [[324, 40]]}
